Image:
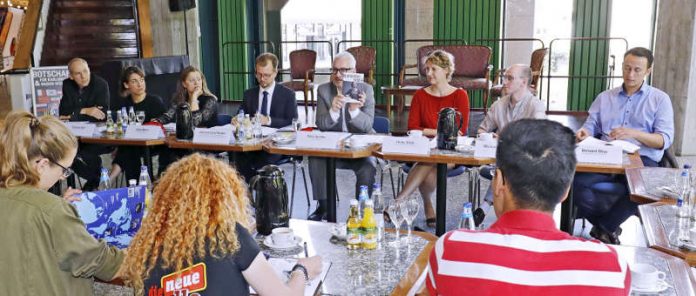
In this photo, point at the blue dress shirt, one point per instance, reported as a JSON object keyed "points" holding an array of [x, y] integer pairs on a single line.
{"points": [[648, 110]]}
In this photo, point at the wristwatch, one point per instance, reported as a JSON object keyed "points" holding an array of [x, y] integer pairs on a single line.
{"points": [[301, 268]]}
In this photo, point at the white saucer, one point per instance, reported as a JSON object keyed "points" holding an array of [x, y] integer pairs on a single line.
{"points": [[660, 287], [268, 241], [464, 148], [688, 245], [333, 229]]}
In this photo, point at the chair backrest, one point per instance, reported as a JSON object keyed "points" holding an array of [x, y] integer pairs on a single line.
{"points": [[301, 61], [469, 60], [365, 59], [381, 125], [223, 119], [537, 65]]}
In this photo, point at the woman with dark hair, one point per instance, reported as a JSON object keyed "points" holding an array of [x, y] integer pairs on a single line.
{"points": [[193, 90], [46, 249], [198, 227], [134, 88]]}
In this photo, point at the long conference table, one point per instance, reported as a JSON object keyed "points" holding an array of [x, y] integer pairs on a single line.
{"points": [[438, 157]]}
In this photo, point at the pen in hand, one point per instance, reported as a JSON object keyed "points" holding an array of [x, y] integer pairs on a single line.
{"points": [[305, 250]]}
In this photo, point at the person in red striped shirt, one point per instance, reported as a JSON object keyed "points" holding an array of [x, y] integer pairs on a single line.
{"points": [[524, 253]]}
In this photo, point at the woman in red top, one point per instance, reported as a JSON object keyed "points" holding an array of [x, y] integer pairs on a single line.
{"points": [[426, 104]]}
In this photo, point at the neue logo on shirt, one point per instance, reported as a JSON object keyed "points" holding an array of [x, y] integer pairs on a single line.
{"points": [[182, 283]]}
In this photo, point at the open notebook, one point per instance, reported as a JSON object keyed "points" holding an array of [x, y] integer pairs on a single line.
{"points": [[627, 146], [282, 267]]}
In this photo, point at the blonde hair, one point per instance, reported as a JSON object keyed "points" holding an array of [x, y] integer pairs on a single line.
{"points": [[442, 59], [25, 138], [196, 206]]}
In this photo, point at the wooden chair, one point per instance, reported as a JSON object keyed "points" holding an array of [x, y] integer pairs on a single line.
{"points": [[302, 63], [537, 65], [365, 61], [471, 68]]}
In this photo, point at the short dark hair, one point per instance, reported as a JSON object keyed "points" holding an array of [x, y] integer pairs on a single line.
{"points": [[265, 58], [537, 159], [641, 52], [125, 75]]}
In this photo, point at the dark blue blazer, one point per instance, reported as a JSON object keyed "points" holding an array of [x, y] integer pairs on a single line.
{"points": [[283, 105]]}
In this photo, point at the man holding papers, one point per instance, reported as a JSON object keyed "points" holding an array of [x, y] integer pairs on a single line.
{"points": [[634, 112], [335, 113], [274, 103]]}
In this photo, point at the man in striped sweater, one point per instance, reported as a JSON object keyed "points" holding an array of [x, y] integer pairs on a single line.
{"points": [[524, 253]]}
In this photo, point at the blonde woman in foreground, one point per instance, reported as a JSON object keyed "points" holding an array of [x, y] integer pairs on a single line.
{"points": [[196, 238], [46, 249]]}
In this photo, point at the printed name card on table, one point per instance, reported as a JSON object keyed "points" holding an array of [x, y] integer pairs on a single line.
{"points": [[320, 140], [220, 136], [406, 145], [81, 129], [605, 154], [485, 148], [143, 132]]}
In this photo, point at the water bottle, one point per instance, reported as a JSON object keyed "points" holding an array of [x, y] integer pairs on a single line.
{"points": [[144, 180], [353, 238], [257, 131], [131, 188], [119, 122], [104, 180], [378, 201], [362, 197], [467, 219], [109, 122], [246, 125], [132, 119], [240, 129], [684, 207]]}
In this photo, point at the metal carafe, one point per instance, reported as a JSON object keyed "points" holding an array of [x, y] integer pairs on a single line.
{"points": [[271, 199], [184, 122], [448, 128]]}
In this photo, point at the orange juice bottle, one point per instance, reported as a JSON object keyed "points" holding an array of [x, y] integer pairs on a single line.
{"points": [[353, 227], [369, 226]]}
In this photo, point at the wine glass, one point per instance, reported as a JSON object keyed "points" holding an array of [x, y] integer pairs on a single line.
{"points": [[409, 210], [140, 117], [394, 210]]}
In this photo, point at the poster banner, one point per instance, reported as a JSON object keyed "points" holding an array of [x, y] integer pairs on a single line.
{"points": [[47, 89]]}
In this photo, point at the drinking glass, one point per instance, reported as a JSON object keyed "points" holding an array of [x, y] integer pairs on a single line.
{"points": [[394, 210], [409, 210], [140, 117], [296, 125]]}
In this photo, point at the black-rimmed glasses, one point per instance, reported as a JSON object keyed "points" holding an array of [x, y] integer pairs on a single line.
{"points": [[341, 70], [66, 171]]}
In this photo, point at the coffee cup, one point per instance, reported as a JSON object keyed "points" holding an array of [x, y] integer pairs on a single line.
{"points": [[415, 133], [282, 236], [355, 142], [485, 136], [645, 276]]}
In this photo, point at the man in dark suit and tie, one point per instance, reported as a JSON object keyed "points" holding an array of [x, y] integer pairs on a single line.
{"points": [[273, 103]]}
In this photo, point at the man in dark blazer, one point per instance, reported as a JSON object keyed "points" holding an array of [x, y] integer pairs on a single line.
{"points": [[273, 103], [85, 98]]}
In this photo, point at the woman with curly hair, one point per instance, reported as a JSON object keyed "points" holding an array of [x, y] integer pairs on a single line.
{"points": [[45, 247], [196, 238]]}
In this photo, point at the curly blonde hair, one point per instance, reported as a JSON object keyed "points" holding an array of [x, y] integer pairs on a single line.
{"points": [[196, 205]]}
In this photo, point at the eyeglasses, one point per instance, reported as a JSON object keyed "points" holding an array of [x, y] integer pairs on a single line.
{"points": [[341, 70], [264, 75], [66, 171]]}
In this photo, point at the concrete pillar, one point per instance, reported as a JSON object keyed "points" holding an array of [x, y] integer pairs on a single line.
{"points": [[519, 23], [674, 70]]}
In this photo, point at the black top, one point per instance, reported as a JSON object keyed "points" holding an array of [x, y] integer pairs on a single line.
{"points": [[152, 105], [206, 116], [221, 276], [283, 105], [96, 94]]}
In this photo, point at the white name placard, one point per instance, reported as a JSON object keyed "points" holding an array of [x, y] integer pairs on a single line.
{"points": [[483, 148], [406, 145], [81, 129], [220, 136], [319, 140], [605, 154], [143, 132]]}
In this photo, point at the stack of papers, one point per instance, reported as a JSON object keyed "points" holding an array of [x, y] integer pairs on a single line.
{"points": [[626, 146], [282, 267]]}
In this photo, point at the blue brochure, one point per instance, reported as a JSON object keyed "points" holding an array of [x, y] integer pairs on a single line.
{"points": [[113, 215]]}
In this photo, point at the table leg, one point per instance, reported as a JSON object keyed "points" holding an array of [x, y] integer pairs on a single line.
{"points": [[567, 219], [441, 196], [148, 162], [331, 189]]}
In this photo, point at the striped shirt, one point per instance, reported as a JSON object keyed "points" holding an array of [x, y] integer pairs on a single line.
{"points": [[524, 254]]}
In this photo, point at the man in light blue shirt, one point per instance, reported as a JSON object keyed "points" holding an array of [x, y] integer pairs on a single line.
{"points": [[635, 112]]}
